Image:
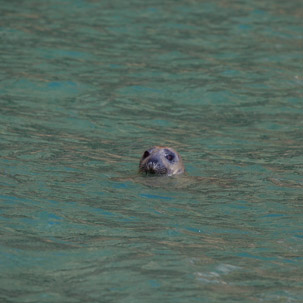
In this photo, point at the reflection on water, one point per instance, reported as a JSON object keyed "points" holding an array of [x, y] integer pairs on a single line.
{"points": [[86, 86]]}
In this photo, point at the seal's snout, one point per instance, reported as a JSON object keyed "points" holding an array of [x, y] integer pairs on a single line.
{"points": [[152, 165]]}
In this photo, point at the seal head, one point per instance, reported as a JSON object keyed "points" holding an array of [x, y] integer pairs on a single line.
{"points": [[160, 160]]}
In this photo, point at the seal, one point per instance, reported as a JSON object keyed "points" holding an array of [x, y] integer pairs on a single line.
{"points": [[160, 160]]}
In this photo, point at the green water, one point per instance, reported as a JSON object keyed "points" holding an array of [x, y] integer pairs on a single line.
{"points": [[86, 87]]}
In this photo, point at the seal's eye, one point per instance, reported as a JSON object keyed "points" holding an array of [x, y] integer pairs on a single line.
{"points": [[170, 157], [145, 155]]}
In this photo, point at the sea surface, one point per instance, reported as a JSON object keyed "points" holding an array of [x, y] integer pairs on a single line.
{"points": [[86, 87]]}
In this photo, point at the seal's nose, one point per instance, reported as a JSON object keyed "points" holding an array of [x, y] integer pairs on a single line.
{"points": [[151, 165]]}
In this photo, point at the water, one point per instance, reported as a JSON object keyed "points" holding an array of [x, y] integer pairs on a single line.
{"points": [[87, 86]]}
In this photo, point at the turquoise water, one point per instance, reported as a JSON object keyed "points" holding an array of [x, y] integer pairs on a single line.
{"points": [[87, 86]]}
